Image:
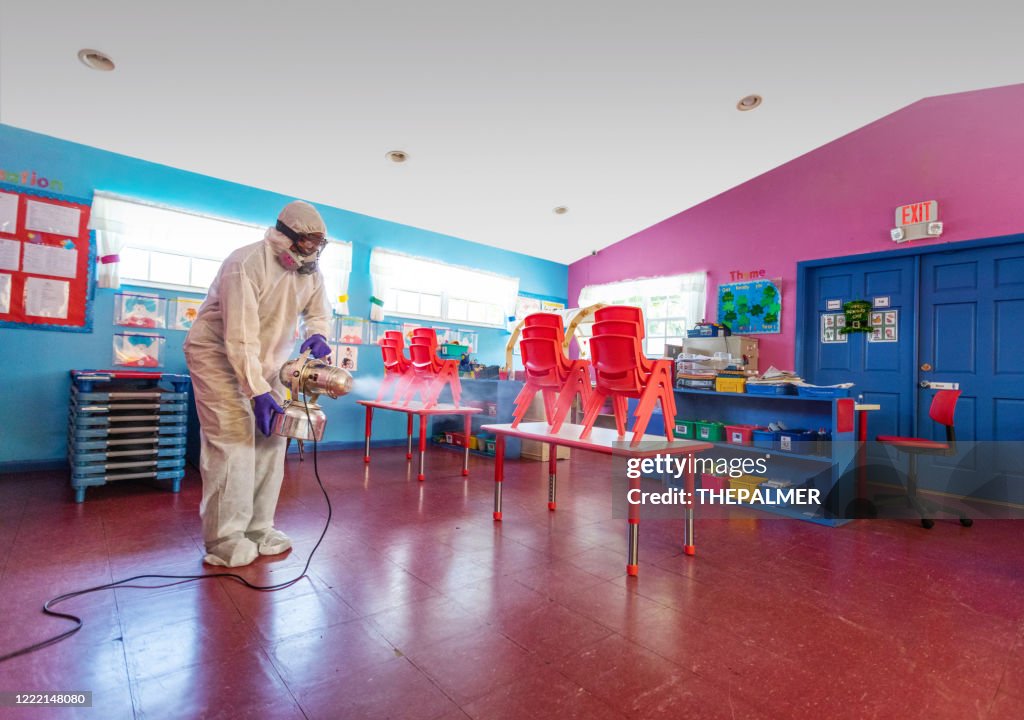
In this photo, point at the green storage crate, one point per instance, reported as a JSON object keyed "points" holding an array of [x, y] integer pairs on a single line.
{"points": [[709, 431], [685, 429]]}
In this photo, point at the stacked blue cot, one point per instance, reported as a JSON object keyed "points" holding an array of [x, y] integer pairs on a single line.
{"points": [[126, 425]]}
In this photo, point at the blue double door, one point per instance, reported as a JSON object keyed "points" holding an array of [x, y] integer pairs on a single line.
{"points": [[947, 317]]}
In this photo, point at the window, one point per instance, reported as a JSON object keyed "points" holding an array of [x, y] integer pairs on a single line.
{"points": [[170, 248], [421, 288], [671, 305]]}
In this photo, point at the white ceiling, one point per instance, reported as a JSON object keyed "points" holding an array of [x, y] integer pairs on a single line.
{"points": [[624, 112]]}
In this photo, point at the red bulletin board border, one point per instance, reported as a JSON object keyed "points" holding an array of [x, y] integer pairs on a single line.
{"points": [[81, 289]]}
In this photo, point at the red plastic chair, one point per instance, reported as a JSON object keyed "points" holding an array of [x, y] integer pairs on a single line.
{"points": [[431, 375], [551, 320], [549, 371], [629, 328], [618, 367], [942, 409], [397, 369], [629, 313]]}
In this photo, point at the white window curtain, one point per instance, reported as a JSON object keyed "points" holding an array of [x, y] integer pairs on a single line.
{"points": [[468, 295], [336, 266]]}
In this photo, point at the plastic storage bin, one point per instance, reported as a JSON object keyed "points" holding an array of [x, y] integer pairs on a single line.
{"points": [[798, 441], [730, 384], [758, 389], [709, 431], [822, 392], [766, 439], [685, 429], [694, 384], [740, 434], [714, 482], [746, 482]]}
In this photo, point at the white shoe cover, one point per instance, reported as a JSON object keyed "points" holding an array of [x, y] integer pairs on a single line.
{"points": [[270, 541], [233, 552]]}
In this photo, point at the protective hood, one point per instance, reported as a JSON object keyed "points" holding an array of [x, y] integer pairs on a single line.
{"points": [[303, 218]]}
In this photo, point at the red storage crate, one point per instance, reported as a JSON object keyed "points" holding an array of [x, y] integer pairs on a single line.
{"points": [[713, 482], [740, 434]]}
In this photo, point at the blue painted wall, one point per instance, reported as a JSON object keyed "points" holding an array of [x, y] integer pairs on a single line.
{"points": [[34, 364]]}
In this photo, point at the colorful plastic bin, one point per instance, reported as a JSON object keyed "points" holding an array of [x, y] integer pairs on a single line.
{"points": [[730, 384], [685, 429], [709, 431], [798, 441], [741, 434], [765, 439], [714, 482], [746, 482]]}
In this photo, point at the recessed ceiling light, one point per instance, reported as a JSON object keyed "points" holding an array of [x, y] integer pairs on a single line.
{"points": [[749, 102], [96, 60], [560, 210], [398, 156]]}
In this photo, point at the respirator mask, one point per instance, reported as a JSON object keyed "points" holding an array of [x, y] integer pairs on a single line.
{"points": [[304, 252]]}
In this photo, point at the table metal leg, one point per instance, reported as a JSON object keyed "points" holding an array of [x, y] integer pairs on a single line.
{"points": [[408, 432], [688, 543], [423, 446], [499, 473], [552, 475], [465, 458], [369, 426], [633, 536]]}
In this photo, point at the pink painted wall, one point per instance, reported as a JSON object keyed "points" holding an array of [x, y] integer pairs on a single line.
{"points": [[966, 151]]}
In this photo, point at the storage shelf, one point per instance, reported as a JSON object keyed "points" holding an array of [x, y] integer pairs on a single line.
{"points": [[775, 453], [749, 396]]}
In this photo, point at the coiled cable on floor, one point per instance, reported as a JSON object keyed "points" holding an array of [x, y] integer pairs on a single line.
{"points": [[180, 579]]}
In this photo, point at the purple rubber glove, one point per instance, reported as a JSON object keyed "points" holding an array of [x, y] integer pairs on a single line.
{"points": [[263, 407], [317, 345]]}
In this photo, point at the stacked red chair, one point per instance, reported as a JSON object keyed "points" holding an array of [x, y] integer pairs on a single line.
{"points": [[430, 373], [397, 367], [549, 371], [621, 372]]}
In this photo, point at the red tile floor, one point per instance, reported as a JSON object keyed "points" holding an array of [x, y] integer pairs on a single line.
{"points": [[418, 606]]}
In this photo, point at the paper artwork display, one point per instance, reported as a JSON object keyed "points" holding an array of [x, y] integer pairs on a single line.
{"points": [[5, 293], [831, 327], [8, 213], [186, 310], [347, 357], [147, 311], [50, 260], [46, 298], [751, 307], [10, 254], [137, 350], [51, 218], [885, 327]]}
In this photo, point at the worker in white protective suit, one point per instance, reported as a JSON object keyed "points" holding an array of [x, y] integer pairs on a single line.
{"points": [[244, 333]]}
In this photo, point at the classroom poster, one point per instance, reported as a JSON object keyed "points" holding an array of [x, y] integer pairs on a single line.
{"points": [[752, 307]]}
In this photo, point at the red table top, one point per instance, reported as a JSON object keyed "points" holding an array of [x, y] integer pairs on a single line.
{"points": [[601, 440], [416, 408]]}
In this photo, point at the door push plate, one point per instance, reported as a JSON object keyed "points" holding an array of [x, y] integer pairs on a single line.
{"points": [[940, 385]]}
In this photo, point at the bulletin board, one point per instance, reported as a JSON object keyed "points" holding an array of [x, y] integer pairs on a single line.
{"points": [[751, 307], [47, 261]]}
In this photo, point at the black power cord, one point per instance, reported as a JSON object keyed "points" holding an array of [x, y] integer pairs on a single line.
{"points": [[181, 579]]}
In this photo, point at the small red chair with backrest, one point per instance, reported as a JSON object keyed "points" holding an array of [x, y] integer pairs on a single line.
{"points": [[624, 327], [431, 373], [549, 371], [941, 411], [618, 367], [397, 368], [628, 313]]}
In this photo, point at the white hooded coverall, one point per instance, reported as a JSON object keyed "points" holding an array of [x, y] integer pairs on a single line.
{"points": [[243, 334]]}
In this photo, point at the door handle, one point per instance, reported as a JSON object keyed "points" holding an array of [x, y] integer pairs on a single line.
{"points": [[939, 385]]}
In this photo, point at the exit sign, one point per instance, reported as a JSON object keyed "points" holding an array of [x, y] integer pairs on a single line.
{"points": [[922, 212]]}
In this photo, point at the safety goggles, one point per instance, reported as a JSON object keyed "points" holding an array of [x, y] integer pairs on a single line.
{"points": [[312, 243]]}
